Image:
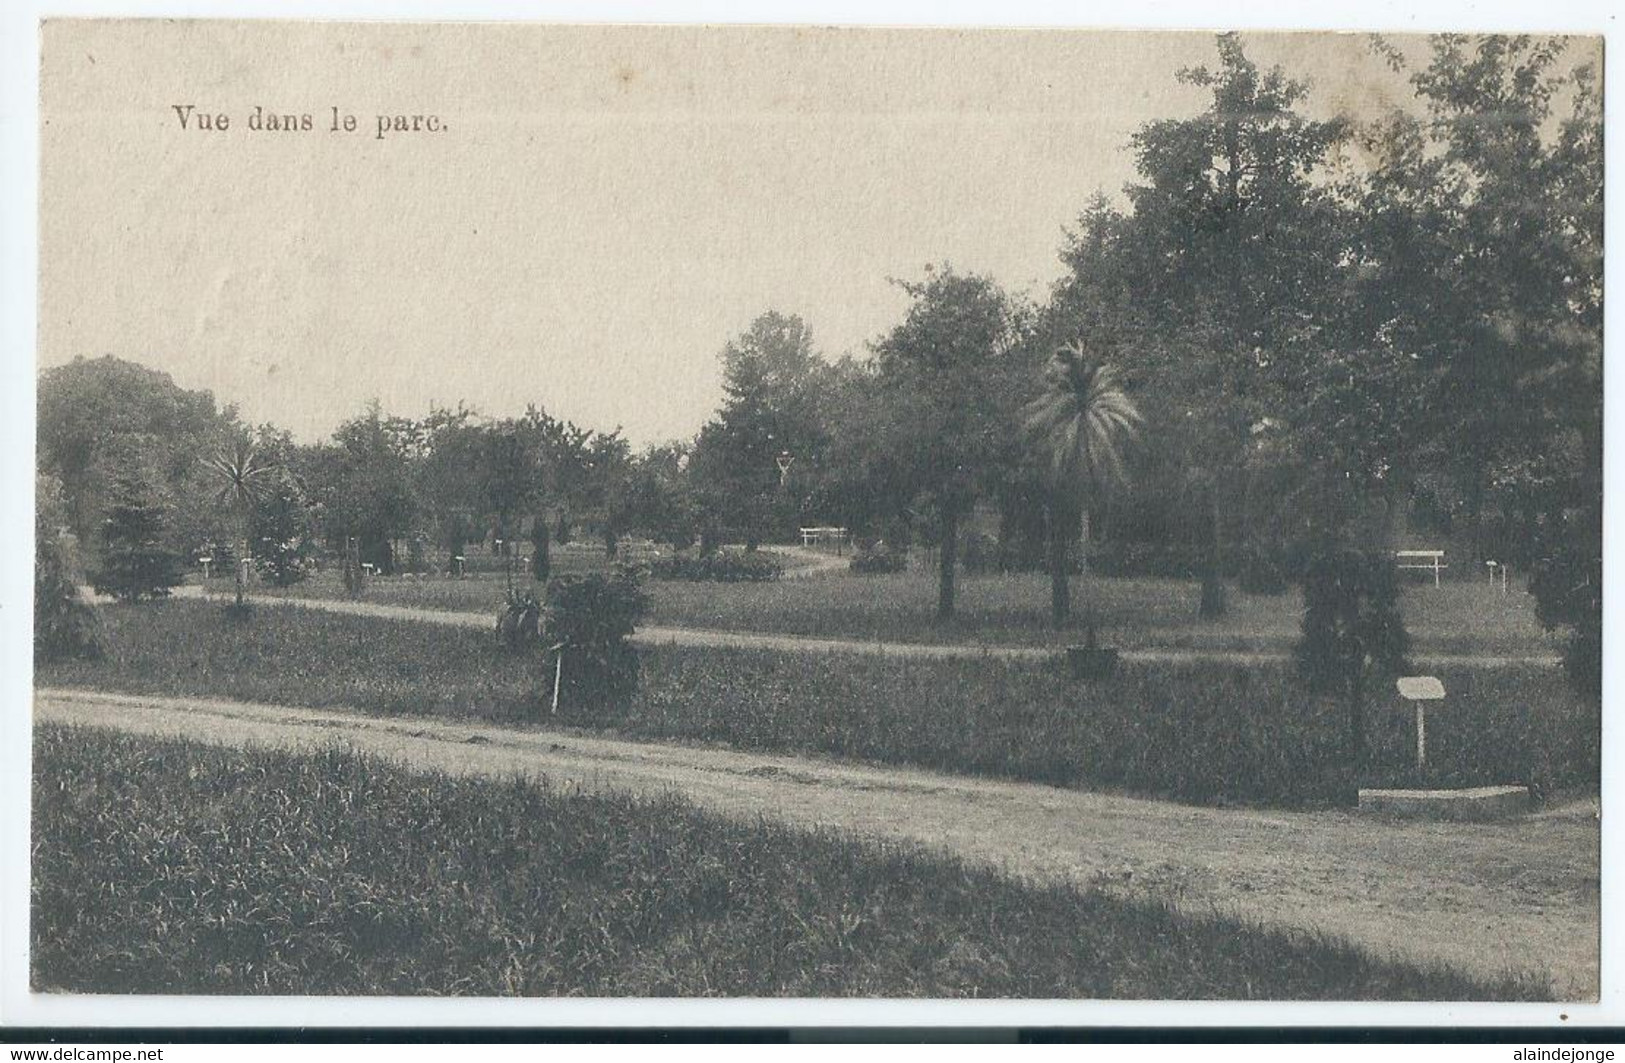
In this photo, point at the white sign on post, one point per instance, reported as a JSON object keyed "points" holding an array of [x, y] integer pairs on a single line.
{"points": [[1421, 689]]}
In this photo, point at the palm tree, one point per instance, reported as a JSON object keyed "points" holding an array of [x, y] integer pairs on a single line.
{"points": [[1078, 425], [243, 477]]}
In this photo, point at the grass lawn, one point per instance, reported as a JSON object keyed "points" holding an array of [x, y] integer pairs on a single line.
{"points": [[1458, 618], [163, 866], [1198, 732]]}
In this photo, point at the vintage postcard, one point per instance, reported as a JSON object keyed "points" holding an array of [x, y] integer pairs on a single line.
{"points": [[544, 511]]}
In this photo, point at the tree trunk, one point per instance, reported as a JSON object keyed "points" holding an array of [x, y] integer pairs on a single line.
{"points": [[242, 574], [947, 559], [1213, 597], [1392, 500], [1357, 720], [1475, 513], [1063, 525]]}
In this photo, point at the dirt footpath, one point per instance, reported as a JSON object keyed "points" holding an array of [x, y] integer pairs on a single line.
{"points": [[648, 635], [1481, 897]]}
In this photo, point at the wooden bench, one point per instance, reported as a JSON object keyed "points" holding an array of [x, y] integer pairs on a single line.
{"points": [[1422, 559]]}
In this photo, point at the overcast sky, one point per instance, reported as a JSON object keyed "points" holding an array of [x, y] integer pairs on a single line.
{"points": [[603, 210]]}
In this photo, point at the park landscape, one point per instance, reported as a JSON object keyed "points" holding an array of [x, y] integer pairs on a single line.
{"points": [[1043, 649]]}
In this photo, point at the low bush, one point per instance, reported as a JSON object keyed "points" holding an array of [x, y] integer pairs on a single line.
{"points": [[162, 866], [1352, 627], [979, 553], [65, 625], [878, 560], [721, 566], [519, 624], [1167, 560], [585, 627], [1262, 572]]}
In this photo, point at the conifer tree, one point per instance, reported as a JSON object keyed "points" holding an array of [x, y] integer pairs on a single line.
{"points": [[136, 560]]}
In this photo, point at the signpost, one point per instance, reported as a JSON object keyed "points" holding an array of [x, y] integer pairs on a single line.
{"points": [[1421, 689], [785, 461]]}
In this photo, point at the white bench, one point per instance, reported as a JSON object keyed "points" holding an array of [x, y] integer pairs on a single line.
{"points": [[1422, 559], [817, 536]]}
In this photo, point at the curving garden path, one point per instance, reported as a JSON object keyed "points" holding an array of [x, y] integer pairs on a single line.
{"points": [[1484, 898], [682, 636]]}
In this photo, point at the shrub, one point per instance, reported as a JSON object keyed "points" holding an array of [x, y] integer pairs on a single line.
{"points": [[65, 625], [355, 577], [282, 526], [136, 560], [1169, 560], [585, 626], [876, 560], [1262, 572], [979, 553], [1567, 585], [519, 622], [541, 565], [417, 553], [1351, 622], [1352, 631], [722, 566]]}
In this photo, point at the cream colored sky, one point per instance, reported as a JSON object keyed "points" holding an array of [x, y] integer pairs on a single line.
{"points": [[605, 208]]}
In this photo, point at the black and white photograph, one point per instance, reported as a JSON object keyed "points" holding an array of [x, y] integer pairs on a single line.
{"points": [[801, 512]]}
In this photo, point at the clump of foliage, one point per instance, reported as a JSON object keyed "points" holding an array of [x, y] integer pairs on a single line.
{"points": [[338, 873], [65, 625], [1567, 585], [1352, 631], [282, 526], [355, 577], [879, 559], [721, 566], [1262, 572], [136, 559], [541, 565], [1351, 621], [519, 622], [585, 626], [417, 553]]}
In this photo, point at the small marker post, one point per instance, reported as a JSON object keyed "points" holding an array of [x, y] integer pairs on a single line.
{"points": [[1421, 689]]}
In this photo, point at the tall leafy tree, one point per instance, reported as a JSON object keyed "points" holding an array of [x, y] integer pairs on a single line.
{"points": [[951, 374], [1233, 241], [772, 379], [363, 482], [1498, 282], [94, 411], [281, 525]]}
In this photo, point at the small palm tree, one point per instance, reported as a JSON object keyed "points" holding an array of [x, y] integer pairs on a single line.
{"points": [[244, 477], [1079, 426]]}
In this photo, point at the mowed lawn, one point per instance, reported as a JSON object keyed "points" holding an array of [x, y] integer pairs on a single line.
{"points": [[163, 866], [1199, 731], [1013, 609]]}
